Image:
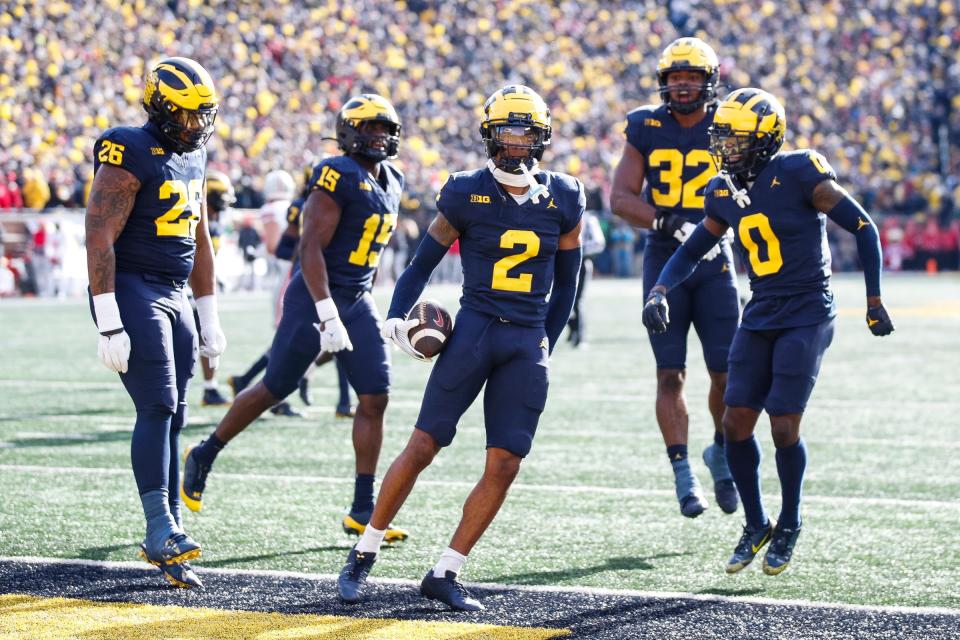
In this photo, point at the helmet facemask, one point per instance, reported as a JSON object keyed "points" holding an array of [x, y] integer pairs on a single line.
{"points": [[738, 152], [511, 144], [374, 139], [705, 89], [186, 129]]}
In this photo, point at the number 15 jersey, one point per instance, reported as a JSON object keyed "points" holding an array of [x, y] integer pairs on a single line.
{"points": [[782, 239], [368, 215], [508, 249]]}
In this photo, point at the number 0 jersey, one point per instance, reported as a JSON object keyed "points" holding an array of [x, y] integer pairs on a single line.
{"points": [[368, 215], [677, 164], [159, 236], [782, 239], [508, 249]]}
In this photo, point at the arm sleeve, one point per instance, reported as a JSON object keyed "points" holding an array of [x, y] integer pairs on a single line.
{"points": [[415, 277], [684, 260], [286, 247], [566, 273], [851, 216]]}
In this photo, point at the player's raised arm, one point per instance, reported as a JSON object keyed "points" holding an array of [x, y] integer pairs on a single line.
{"points": [[112, 195], [680, 266], [831, 198], [411, 283]]}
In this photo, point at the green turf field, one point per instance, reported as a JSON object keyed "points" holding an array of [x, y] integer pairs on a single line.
{"points": [[593, 505]]}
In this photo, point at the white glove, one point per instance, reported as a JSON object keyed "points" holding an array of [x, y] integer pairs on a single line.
{"points": [[684, 232], [212, 340], [333, 335], [397, 331], [113, 347]]}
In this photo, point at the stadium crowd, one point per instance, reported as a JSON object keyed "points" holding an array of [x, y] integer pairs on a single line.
{"points": [[873, 85]]}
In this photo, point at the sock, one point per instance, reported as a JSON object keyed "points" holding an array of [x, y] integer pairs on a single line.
{"points": [[156, 510], [791, 463], [206, 452], [255, 370], [718, 438], [743, 458], [210, 385], [677, 452], [450, 560], [371, 540], [344, 386], [363, 494]]}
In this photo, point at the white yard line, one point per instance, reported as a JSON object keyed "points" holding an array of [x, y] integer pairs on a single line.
{"points": [[547, 488], [630, 593]]}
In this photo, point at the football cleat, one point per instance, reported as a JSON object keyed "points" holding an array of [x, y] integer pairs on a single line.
{"points": [[354, 524], [179, 575], [344, 411], [193, 480], [449, 591], [237, 384], [781, 550], [284, 409], [724, 490], [690, 495], [353, 576], [176, 549], [213, 398], [750, 544]]}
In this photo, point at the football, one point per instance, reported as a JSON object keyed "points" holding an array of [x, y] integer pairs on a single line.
{"points": [[436, 325]]}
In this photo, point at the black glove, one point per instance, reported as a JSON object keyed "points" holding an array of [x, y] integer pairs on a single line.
{"points": [[878, 321], [656, 312], [668, 224]]}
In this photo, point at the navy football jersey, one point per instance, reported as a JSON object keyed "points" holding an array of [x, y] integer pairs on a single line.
{"points": [[676, 160], [508, 249], [782, 240], [159, 236], [368, 215]]}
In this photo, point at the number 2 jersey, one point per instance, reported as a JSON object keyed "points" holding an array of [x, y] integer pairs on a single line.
{"points": [[159, 236], [782, 240], [677, 164], [368, 215], [508, 249]]}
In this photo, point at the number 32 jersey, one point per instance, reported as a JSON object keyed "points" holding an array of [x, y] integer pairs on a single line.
{"points": [[508, 249], [369, 208], [782, 239], [677, 165], [159, 236]]}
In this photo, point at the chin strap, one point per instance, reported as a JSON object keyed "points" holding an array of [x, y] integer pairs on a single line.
{"points": [[527, 179], [739, 195]]}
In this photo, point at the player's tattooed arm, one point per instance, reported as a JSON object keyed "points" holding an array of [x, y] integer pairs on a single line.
{"points": [[827, 195], [321, 215], [442, 231], [112, 195], [202, 278]]}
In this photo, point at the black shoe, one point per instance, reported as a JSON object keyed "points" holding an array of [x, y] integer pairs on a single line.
{"points": [[353, 576], [750, 543], [780, 551], [213, 398], [179, 575], [449, 591], [237, 384], [344, 411], [304, 387], [284, 409]]}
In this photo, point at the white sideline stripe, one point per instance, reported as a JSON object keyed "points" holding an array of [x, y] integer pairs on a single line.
{"points": [[550, 488], [630, 593]]}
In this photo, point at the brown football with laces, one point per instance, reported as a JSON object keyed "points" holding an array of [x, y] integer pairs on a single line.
{"points": [[436, 325]]}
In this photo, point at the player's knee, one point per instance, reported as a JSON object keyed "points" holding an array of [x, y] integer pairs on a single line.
{"points": [[502, 465], [738, 423], [421, 449], [718, 382], [785, 430], [372, 406], [670, 382]]}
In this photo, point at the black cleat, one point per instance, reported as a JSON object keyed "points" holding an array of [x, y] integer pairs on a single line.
{"points": [[344, 411], [179, 575], [213, 398], [449, 591], [284, 409], [780, 550], [353, 576], [749, 545], [193, 480]]}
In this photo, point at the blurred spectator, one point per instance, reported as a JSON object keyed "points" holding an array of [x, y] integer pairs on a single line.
{"points": [[622, 238], [248, 241]]}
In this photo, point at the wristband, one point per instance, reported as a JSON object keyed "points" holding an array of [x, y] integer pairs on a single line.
{"points": [[107, 313]]}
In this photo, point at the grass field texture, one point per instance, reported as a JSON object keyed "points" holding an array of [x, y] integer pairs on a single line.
{"points": [[593, 505]]}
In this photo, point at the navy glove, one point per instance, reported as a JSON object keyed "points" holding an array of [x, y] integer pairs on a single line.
{"points": [[656, 312], [878, 321]]}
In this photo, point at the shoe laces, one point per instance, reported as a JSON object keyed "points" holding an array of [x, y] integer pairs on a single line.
{"points": [[458, 587], [360, 567], [745, 543], [781, 541]]}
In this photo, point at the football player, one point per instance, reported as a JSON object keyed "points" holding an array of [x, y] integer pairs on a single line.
{"points": [[347, 220], [220, 195], [519, 232], [659, 184], [775, 203], [146, 235]]}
